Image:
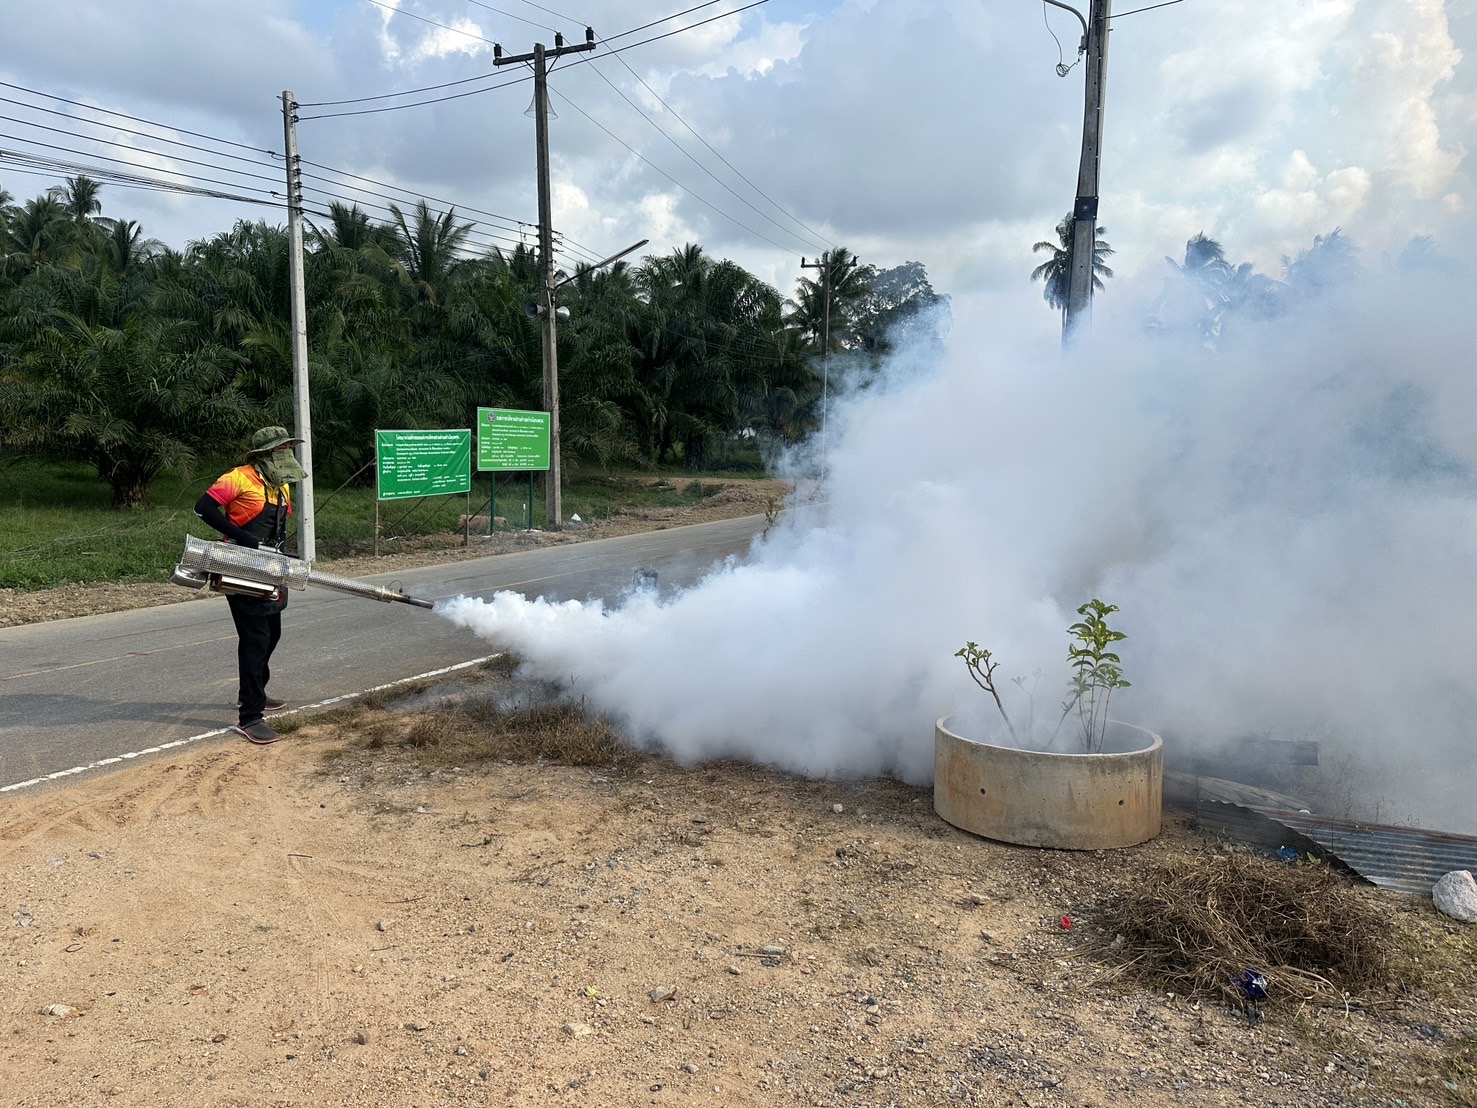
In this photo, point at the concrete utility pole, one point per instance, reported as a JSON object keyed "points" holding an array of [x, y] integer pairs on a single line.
{"points": [[825, 264], [553, 490], [306, 529], [1089, 173]]}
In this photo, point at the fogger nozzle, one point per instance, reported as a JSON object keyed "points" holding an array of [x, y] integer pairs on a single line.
{"points": [[229, 568]]}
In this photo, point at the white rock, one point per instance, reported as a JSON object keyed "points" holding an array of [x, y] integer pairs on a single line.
{"points": [[1456, 895], [62, 1010]]}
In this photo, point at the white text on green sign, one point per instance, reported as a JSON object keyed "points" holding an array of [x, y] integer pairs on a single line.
{"points": [[422, 463], [508, 439]]}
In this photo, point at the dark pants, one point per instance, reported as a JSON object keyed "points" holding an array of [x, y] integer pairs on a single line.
{"points": [[258, 629]]}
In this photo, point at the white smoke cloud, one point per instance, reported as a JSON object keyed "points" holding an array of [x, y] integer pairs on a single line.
{"points": [[1289, 528]]}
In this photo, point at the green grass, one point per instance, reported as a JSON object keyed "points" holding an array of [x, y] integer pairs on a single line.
{"points": [[57, 526]]}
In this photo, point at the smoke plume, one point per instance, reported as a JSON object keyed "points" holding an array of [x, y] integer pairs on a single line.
{"points": [[1288, 524]]}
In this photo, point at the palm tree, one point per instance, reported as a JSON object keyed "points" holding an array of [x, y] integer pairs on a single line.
{"points": [[35, 234], [133, 401], [126, 249], [1056, 271], [1330, 262], [849, 284], [427, 249], [79, 196], [699, 350]]}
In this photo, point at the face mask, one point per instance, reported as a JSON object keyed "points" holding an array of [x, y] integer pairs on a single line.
{"points": [[281, 468]]}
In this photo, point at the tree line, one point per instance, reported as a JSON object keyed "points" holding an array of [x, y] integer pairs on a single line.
{"points": [[140, 359], [1208, 297]]}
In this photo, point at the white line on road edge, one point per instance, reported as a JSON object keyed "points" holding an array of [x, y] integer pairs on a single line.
{"points": [[101, 762]]}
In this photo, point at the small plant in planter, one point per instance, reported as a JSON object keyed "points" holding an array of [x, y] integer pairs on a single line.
{"points": [[1097, 672]]}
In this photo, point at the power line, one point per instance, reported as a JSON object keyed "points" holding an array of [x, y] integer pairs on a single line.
{"points": [[667, 18], [667, 175], [516, 223], [137, 119], [551, 11], [56, 167], [486, 76], [392, 95], [89, 138], [128, 131], [138, 165], [680, 30], [392, 9], [720, 157], [510, 15], [414, 103], [694, 161], [1151, 7]]}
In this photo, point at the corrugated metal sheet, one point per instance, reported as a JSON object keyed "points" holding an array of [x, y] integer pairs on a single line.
{"points": [[1405, 859]]}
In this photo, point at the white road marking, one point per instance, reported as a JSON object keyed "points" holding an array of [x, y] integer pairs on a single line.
{"points": [[101, 762]]}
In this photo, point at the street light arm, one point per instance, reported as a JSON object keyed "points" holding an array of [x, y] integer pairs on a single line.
{"points": [[1080, 19]]}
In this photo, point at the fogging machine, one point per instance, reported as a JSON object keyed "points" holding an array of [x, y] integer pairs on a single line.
{"points": [[228, 568]]}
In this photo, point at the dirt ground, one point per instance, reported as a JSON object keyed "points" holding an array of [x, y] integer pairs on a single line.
{"points": [[355, 916]]}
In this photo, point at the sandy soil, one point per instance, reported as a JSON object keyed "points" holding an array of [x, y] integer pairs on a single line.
{"points": [[349, 917]]}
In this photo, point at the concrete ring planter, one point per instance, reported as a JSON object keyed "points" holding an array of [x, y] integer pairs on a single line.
{"points": [[1067, 801]]}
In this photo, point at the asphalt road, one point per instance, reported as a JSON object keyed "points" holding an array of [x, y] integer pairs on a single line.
{"points": [[83, 695]]}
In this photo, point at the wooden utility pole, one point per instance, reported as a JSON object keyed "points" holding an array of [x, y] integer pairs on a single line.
{"points": [[1089, 175], [547, 308], [306, 528]]}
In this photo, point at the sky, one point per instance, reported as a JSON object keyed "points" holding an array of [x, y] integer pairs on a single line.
{"points": [[1287, 521], [936, 131]]}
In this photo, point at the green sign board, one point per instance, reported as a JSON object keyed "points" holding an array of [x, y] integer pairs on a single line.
{"points": [[512, 440], [422, 463]]}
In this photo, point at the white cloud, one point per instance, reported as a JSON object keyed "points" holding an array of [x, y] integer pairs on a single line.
{"points": [[936, 131]]}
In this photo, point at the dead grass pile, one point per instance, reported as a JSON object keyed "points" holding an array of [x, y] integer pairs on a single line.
{"points": [[1196, 926], [480, 730]]}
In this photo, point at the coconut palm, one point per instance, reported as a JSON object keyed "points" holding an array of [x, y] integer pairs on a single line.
{"points": [[1056, 272], [37, 233], [427, 249], [850, 284], [79, 196], [1332, 261]]}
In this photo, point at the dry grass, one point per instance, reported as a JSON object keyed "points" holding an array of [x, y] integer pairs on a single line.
{"points": [[481, 730], [1461, 1073], [1315, 934]]}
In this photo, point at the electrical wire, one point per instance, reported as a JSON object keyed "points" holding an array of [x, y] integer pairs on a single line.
{"points": [[416, 103], [89, 138], [55, 167], [687, 154], [510, 15], [392, 9], [1151, 7], [131, 131], [552, 12], [137, 165], [689, 27], [490, 88], [137, 119], [716, 154], [665, 19], [667, 175], [514, 224]]}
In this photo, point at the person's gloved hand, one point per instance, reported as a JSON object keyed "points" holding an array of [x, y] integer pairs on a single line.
{"points": [[248, 542]]}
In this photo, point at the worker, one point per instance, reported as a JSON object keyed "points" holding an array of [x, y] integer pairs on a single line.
{"points": [[249, 505]]}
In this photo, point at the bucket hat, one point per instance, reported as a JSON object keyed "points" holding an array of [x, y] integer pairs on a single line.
{"points": [[270, 438]]}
